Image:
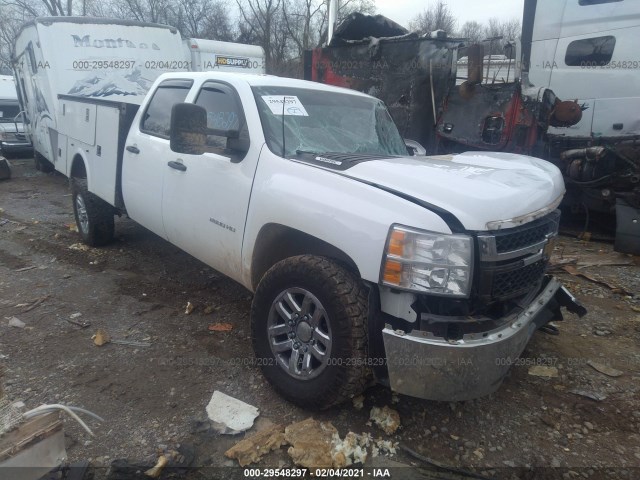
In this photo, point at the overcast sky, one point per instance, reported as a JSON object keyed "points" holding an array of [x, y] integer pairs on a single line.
{"points": [[402, 11]]}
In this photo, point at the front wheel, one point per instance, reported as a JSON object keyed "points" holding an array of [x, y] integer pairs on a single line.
{"points": [[94, 216], [308, 325]]}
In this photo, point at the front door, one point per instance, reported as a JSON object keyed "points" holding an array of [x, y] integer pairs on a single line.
{"points": [[206, 197]]}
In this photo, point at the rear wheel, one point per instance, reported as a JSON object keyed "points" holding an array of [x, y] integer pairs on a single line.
{"points": [[94, 216], [308, 322]]}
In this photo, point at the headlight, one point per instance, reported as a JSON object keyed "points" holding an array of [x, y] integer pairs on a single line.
{"points": [[428, 262]]}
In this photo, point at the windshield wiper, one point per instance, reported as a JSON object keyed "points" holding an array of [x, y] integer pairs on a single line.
{"points": [[300, 152]]}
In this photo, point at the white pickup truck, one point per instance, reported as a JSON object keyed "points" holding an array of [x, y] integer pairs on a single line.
{"points": [[367, 264]]}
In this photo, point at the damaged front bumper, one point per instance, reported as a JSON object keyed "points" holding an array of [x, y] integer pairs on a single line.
{"points": [[421, 365]]}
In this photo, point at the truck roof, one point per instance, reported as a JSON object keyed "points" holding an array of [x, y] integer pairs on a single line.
{"points": [[46, 21], [257, 80]]}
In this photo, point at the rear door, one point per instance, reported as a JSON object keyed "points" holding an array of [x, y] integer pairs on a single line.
{"points": [[145, 156], [206, 197]]}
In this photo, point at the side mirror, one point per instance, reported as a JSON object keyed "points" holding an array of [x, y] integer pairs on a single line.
{"points": [[189, 130], [414, 148], [188, 133]]}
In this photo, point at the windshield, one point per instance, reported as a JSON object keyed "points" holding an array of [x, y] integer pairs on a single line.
{"points": [[8, 111], [318, 122]]}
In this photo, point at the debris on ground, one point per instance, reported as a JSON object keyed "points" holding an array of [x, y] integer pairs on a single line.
{"points": [[177, 465], [80, 247], [311, 443], [156, 471], [34, 304], [614, 288], [78, 324], [130, 343], [543, 371], [101, 338], [25, 269], [189, 308], [208, 310], [353, 449], [220, 327], [358, 402], [383, 448], [229, 415], [253, 448], [597, 396], [604, 369], [16, 322], [386, 418], [612, 259]]}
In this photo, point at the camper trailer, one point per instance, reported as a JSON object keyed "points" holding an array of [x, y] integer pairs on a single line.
{"points": [[12, 136], [212, 55], [94, 58]]}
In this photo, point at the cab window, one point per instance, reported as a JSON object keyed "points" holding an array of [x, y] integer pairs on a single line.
{"points": [[224, 112], [156, 120]]}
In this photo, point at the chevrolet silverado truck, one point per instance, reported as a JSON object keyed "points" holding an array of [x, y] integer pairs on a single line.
{"points": [[427, 274]]}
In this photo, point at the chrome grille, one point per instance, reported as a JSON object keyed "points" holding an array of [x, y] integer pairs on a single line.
{"points": [[513, 261]]}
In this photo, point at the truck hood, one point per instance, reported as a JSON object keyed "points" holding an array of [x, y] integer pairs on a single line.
{"points": [[485, 191]]}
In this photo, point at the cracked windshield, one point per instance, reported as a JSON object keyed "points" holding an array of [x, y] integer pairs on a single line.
{"points": [[315, 122]]}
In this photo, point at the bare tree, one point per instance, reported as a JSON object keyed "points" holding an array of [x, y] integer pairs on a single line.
{"points": [[473, 31], [437, 17], [298, 16], [506, 30], [260, 17]]}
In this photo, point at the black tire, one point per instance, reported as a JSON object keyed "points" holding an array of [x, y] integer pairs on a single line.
{"points": [[94, 216], [42, 164], [342, 300]]}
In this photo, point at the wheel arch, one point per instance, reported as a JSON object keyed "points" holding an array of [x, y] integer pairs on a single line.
{"points": [[79, 168], [275, 242]]}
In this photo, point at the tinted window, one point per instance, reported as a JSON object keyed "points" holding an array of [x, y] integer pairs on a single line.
{"points": [[590, 52], [157, 118], [224, 112]]}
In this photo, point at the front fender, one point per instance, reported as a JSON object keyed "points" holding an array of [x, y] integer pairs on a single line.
{"points": [[350, 215]]}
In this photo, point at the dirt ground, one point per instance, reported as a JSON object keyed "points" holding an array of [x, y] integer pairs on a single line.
{"points": [[153, 397]]}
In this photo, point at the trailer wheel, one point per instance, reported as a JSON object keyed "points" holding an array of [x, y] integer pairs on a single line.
{"points": [[41, 163], [94, 216], [308, 326]]}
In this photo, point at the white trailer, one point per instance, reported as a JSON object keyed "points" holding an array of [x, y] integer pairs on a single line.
{"points": [[212, 55], [114, 61]]}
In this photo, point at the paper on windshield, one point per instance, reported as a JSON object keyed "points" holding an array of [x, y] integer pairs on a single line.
{"points": [[292, 105]]}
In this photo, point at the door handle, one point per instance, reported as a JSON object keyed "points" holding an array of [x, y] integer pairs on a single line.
{"points": [[132, 149], [178, 166]]}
